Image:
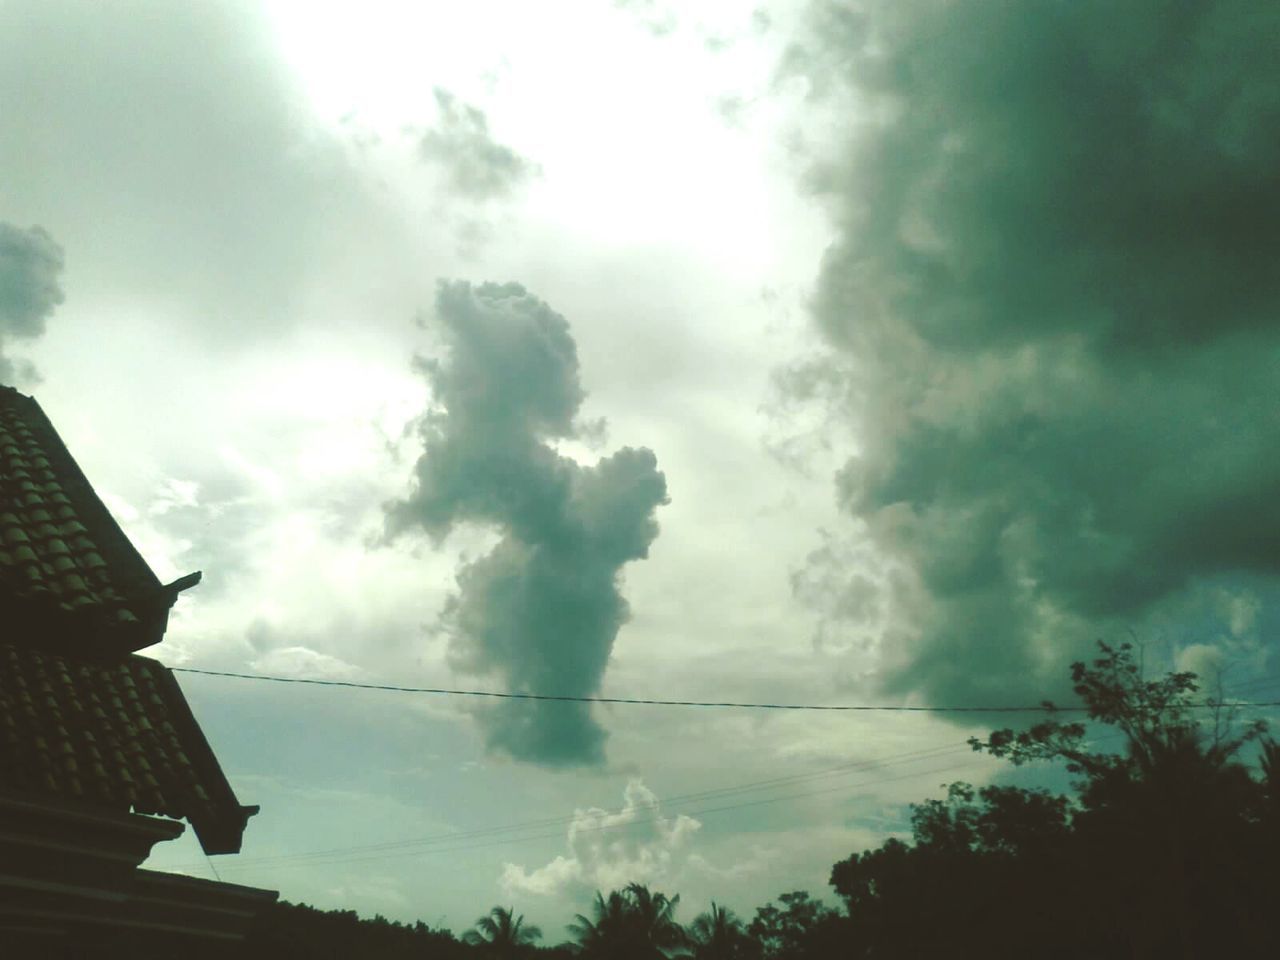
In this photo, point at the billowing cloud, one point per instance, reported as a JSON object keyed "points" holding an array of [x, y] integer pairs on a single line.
{"points": [[539, 612], [474, 164], [30, 265], [1055, 290], [609, 850]]}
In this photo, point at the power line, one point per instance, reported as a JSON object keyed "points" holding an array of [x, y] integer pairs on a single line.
{"points": [[668, 803], [464, 840], [399, 853], [637, 701], [397, 850], [631, 701]]}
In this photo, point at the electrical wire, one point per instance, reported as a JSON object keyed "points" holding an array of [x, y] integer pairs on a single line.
{"points": [[492, 836], [400, 853], [668, 802], [395, 849], [653, 702]]}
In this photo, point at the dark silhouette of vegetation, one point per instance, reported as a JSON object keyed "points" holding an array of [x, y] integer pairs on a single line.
{"points": [[719, 935], [635, 923], [785, 931], [1167, 849], [502, 935], [1167, 846]]}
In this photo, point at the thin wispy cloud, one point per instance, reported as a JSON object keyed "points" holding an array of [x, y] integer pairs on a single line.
{"points": [[475, 166]]}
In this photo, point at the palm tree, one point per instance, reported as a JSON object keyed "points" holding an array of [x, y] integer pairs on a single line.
{"points": [[631, 924], [655, 918], [608, 929], [504, 934], [718, 935]]}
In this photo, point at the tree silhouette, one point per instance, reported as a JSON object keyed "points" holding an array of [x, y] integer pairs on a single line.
{"points": [[502, 934], [630, 924], [719, 935], [1167, 849], [788, 931]]}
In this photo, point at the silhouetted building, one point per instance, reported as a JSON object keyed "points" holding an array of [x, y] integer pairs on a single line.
{"points": [[100, 756]]}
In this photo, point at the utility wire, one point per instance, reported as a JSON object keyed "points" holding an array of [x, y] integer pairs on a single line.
{"points": [[773, 783], [742, 705], [397, 848], [389, 851], [636, 701], [485, 836], [401, 853], [462, 841]]}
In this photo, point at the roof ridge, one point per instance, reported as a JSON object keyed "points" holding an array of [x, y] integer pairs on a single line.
{"points": [[66, 554]]}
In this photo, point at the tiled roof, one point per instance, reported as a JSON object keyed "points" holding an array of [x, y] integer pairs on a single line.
{"points": [[81, 718], [61, 552], [112, 734]]}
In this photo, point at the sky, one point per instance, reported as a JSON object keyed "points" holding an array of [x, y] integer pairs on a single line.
{"points": [[809, 352]]}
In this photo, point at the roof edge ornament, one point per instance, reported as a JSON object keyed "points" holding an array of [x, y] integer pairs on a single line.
{"points": [[171, 590]]}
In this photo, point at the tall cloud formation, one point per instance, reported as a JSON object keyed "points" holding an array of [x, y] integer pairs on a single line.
{"points": [[1055, 287], [30, 264], [540, 612]]}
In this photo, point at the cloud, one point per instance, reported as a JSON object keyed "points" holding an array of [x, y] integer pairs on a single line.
{"points": [[540, 611], [659, 19], [174, 156], [30, 266], [609, 850], [474, 165], [1054, 283], [300, 661]]}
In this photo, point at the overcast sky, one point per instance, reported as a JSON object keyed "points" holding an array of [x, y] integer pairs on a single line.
{"points": [[812, 352]]}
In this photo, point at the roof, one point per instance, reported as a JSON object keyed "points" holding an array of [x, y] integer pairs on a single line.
{"points": [[82, 718], [115, 735], [61, 552]]}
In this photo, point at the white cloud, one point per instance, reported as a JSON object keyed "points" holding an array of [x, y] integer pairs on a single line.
{"points": [[609, 850], [301, 661]]}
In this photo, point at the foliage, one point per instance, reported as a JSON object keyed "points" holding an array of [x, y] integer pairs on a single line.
{"points": [[630, 924], [502, 934], [788, 930], [719, 935], [1166, 849]]}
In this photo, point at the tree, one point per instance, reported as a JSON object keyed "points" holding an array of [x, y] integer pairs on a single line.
{"points": [[630, 924], [787, 931], [501, 934], [1167, 848], [719, 935]]}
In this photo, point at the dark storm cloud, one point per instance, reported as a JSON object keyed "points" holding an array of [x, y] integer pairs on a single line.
{"points": [[30, 265], [475, 165], [541, 611], [1056, 284]]}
